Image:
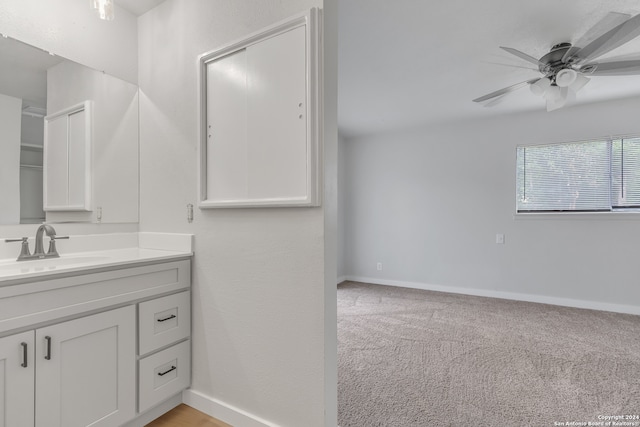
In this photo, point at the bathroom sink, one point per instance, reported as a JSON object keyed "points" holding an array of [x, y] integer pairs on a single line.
{"points": [[79, 262], [9, 268]]}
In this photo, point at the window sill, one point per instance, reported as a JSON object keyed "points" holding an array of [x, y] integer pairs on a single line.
{"points": [[573, 216]]}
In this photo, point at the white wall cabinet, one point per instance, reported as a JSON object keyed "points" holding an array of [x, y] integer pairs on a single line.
{"points": [[259, 119], [67, 159]]}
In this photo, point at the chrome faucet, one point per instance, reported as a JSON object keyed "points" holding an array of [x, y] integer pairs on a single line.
{"points": [[38, 252]]}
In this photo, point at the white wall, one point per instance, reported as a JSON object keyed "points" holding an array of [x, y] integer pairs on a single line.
{"points": [[342, 213], [32, 130], [262, 344], [427, 203], [71, 29], [331, 216], [10, 123], [115, 138]]}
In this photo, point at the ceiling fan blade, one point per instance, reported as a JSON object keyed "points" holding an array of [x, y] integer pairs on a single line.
{"points": [[614, 68], [505, 90], [616, 37], [494, 101], [612, 20], [521, 55], [514, 66]]}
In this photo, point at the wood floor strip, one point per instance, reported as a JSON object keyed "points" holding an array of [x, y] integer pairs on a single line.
{"points": [[186, 416]]}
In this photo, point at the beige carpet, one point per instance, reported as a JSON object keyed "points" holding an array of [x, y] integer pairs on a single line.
{"points": [[418, 358]]}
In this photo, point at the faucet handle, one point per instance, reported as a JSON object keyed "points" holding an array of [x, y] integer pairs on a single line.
{"points": [[24, 251], [53, 251], [21, 239]]}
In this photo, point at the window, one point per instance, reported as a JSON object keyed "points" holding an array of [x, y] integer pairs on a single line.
{"points": [[592, 176]]}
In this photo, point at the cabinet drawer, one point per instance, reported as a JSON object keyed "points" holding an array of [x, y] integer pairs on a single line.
{"points": [[163, 321], [164, 374]]}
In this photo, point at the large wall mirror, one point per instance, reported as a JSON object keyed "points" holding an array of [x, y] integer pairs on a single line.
{"points": [[35, 85]]}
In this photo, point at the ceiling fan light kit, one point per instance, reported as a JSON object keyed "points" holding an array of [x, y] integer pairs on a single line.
{"points": [[580, 82], [563, 69], [540, 87], [557, 98], [553, 93], [566, 77]]}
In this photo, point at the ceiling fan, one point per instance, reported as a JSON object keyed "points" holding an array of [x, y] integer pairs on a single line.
{"points": [[566, 67]]}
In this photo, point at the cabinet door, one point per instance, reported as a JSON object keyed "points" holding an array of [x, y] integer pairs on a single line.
{"points": [[56, 163], [16, 380], [78, 175], [277, 117], [86, 371]]}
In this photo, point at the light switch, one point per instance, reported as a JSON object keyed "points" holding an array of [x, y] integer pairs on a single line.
{"points": [[500, 239]]}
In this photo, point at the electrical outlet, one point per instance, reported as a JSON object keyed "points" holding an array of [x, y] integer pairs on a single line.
{"points": [[379, 266], [500, 239]]}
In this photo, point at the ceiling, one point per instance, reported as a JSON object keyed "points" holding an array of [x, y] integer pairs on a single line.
{"points": [[138, 7], [405, 63]]}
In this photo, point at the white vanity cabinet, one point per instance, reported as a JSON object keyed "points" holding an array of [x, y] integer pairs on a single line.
{"points": [[79, 372], [69, 346], [85, 371], [17, 384], [165, 354], [76, 373]]}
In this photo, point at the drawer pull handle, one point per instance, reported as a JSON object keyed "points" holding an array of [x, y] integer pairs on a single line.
{"points": [[162, 374], [47, 355], [24, 354], [173, 316]]}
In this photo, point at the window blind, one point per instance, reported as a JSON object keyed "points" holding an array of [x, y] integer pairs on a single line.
{"points": [[625, 173], [567, 177]]}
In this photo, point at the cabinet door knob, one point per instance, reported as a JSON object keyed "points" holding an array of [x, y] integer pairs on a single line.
{"points": [[25, 358], [47, 355], [173, 368]]}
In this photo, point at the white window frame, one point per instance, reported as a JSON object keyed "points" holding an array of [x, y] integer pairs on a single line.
{"points": [[615, 214]]}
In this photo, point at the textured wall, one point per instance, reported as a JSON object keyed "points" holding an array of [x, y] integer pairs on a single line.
{"points": [[258, 274]]}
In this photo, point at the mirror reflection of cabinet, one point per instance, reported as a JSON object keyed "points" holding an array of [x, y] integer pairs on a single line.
{"points": [[67, 159]]}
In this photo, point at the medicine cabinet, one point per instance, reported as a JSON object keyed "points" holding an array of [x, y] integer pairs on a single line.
{"points": [[260, 118]]}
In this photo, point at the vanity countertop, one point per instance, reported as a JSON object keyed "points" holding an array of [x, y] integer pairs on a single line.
{"points": [[81, 262]]}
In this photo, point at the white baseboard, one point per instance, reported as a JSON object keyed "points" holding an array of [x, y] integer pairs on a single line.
{"points": [[566, 302], [223, 411], [342, 279]]}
